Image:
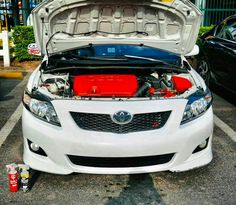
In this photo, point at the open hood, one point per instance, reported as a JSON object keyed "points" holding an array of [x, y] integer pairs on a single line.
{"points": [[171, 25]]}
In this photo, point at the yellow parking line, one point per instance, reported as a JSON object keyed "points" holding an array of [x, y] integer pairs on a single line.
{"points": [[167, 1], [9, 74]]}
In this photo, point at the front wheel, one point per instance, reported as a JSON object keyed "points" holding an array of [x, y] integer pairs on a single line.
{"points": [[203, 69]]}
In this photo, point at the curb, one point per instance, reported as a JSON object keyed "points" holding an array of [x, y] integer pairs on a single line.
{"points": [[11, 74]]}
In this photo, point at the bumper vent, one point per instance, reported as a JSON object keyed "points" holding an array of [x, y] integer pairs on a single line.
{"points": [[116, 162], [104, 123]]}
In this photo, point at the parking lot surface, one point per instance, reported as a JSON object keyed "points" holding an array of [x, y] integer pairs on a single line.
{"points": [[212, 184]]}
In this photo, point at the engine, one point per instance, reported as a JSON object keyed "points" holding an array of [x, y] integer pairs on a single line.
{"points": [[117, 85], [107, 85]]}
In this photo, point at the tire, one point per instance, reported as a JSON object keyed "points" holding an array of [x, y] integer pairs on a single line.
{"points": [[203, 68]]}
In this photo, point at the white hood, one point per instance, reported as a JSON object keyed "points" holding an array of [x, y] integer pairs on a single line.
{"points": [[171, 25]]}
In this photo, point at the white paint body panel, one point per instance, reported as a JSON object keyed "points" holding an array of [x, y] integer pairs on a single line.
{"points": [[70, 139], [171, 26]]}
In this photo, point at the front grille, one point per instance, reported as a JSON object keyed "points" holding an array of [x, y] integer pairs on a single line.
{"points": [[115, 162], [104, 123]]}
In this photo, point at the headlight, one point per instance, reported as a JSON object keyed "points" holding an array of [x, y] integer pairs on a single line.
{"points": [[41, 109], [196, 106]]}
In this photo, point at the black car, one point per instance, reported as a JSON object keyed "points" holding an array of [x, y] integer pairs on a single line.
{"points": [[217, 59]]}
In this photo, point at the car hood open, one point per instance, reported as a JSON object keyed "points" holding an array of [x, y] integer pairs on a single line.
{"points": [[171, 25]]}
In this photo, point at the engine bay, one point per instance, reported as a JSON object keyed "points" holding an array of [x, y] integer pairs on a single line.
{"points": [[113, 85]]}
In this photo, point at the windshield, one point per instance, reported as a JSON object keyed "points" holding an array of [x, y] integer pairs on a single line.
{"points": [[119, 51]]}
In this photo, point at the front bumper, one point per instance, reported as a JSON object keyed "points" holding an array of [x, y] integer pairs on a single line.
{"points": [[58, 142]]}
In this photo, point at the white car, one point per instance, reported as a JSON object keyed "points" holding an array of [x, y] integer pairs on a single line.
{"points": [[114, 93]]}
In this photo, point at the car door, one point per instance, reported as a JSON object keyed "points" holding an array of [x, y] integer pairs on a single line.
{"points": [[221, 51]]}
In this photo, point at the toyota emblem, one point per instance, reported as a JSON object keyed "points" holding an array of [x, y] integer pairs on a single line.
{"points": [[122, 117]]}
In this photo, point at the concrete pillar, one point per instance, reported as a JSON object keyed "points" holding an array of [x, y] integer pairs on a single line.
{"points": [[203, 7], [6, 49], [201, 4], [198, 3]]}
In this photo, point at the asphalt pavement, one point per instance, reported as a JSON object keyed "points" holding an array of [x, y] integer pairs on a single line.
{"points": [[212, 184]]}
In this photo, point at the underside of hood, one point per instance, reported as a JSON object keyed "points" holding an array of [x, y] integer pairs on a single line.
{"points": [[170, 25]]}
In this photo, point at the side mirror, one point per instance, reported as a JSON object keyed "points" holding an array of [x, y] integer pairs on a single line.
{"points": [[194, 52], [33, 49]]}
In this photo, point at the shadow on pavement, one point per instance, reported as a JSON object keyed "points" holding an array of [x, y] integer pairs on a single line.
{"points": [[224, 93], [139, 190], [6, 86]]}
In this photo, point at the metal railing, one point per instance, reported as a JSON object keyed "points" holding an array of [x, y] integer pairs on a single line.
{"points": [[216, 11]]}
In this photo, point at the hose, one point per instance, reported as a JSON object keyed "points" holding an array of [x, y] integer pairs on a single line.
{"points": [[142, 89]]}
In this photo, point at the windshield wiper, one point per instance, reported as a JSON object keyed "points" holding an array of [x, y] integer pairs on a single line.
{"points": [[153, 60]]}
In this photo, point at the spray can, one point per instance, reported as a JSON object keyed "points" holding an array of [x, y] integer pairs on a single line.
{"points": [[24, 174], [13, 177]]}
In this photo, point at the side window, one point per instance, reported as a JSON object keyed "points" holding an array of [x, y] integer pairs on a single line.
{"points": [[228, 31], [218, 30], [232, 31]]}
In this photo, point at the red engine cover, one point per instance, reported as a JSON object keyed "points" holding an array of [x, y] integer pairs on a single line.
{"points": [[107, 85], [181, 84]]}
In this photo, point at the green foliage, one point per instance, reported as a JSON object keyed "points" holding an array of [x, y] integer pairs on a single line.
{"points": [[204, 29], [22, 37]]}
